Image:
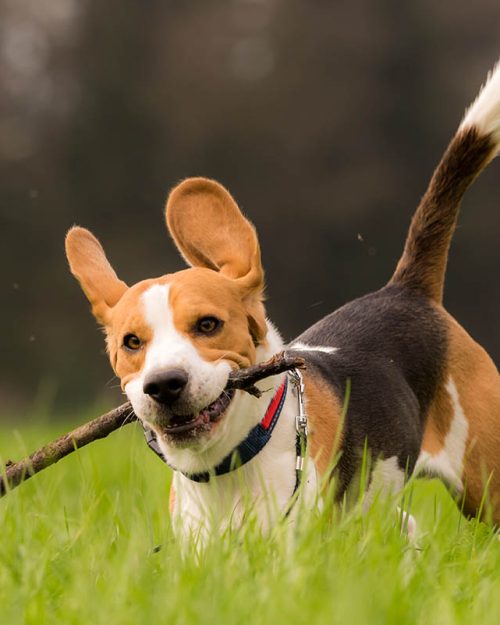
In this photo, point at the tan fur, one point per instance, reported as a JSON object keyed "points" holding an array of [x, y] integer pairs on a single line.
{"points": [[324, 411], [210, 231], [478, 386], [171, 500], [228, 245], [439, 420], [219, 297], [90, 266], [127, 318]]}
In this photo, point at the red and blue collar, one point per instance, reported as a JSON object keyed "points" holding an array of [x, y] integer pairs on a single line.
{"points": [[253, 444]]}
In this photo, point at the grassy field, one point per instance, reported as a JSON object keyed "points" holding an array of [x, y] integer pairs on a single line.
{"points": [[88, 541]]}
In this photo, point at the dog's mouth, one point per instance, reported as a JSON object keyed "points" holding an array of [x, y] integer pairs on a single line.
{"points": [[190, 426]]}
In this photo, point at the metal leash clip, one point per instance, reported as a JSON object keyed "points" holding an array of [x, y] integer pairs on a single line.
{"points": [[300, 419]]}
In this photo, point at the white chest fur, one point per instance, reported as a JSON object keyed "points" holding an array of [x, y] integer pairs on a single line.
{"points": [[262, 488]]}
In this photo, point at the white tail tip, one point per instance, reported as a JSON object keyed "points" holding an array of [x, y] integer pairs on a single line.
{"points": [[484, 112]]}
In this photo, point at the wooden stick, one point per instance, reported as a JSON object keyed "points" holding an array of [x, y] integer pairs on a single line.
{"points": [[245, 379], [18, 472]]}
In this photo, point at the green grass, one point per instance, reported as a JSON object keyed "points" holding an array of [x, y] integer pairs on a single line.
{"points": [[89, 541]]}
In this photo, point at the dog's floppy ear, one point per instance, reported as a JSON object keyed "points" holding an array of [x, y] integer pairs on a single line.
{"points": [[210, 231], [89, 265]]}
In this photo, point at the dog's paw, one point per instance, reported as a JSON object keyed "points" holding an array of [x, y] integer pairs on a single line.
{"points": [[408, 524]]}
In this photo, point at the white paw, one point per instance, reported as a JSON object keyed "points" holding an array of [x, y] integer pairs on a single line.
{"points": [[408, 523]]}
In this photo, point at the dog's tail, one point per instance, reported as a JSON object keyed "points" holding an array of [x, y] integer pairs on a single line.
{"points": [[423, 263]]}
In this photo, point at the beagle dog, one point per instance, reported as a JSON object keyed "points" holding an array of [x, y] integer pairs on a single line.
{"points": [[391, 372]]}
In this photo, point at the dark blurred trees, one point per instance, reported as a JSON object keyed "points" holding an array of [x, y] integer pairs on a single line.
{"points": [[324, 119]]}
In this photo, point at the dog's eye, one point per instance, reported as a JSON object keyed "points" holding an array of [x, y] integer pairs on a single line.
{"points": [[208, 325], [131, 341]]}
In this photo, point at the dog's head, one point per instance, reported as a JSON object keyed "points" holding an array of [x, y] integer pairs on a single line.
{"points": [[173, 340]]}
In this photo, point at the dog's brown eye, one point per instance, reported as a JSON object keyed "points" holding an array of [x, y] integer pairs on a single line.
{"points": [[131, 341], [208, 325]]}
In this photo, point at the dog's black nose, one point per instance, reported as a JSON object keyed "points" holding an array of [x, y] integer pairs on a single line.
{"points": [[165, 386]]}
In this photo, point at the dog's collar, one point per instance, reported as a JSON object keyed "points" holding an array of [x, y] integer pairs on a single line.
{"points": [[253, 444]]}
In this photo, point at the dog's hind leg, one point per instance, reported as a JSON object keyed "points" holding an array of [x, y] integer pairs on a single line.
{"points": [[388, 480], [461, 441]]}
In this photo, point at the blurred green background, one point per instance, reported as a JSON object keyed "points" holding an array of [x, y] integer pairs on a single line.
{"points": [[324, 119]]}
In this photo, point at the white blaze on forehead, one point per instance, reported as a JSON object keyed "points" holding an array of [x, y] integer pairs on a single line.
{"points": [[156, 307], [168, 347]]}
